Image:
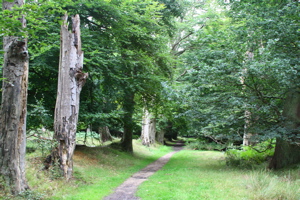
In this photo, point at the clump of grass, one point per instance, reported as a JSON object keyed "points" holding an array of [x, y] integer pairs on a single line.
{"points": [[267, 185]]}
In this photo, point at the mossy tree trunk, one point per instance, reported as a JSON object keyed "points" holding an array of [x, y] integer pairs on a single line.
{"points": [[70, 82], [287, 150], [14, 110]]}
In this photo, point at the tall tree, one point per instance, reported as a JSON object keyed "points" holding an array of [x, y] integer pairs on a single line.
{"points": [[14, 108], [216, 96], [131, 58], [287, 151], [274, 24], [70, 82]]}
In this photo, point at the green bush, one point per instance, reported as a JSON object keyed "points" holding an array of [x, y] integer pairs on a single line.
{"points": [[135, 137], [250, 156], [30, 195], [40, 141]]}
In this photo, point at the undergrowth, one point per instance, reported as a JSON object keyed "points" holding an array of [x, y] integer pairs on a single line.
{"points": [[203, 145], [249, 157]]}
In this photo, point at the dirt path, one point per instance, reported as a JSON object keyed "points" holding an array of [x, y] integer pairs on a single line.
{"points": [[127, 190]]}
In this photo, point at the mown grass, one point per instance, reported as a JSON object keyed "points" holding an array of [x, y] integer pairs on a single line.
{"points": [[193, 175], [97, 172]]}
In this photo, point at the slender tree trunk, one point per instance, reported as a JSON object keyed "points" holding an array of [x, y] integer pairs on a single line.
{"points": [[14, 110], [148, 129], [128, 107], [247, 136], [287, 150], [70, 82]]}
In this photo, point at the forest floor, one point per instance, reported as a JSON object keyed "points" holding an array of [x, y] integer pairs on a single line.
{"points": [[127, 190]]}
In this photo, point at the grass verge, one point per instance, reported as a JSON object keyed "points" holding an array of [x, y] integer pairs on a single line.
{"points": [[192, 175], [97, 172]]}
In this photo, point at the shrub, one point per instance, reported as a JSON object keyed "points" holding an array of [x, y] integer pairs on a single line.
{"points": [[30, 195], [135, 137], [249, 156]]}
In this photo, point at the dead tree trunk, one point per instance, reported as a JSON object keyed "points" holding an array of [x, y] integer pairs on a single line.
{"points": [[13, 110], [148, 129], [70, 82]]}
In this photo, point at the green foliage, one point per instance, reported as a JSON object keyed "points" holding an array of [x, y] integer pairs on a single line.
{"points": [[40, 141], [30, 195], [250, 156], [4, 189], [236, 65], [202, 145], [135, 137], [38, 116]]}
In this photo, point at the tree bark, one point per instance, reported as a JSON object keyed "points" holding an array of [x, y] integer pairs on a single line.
{"points": [[287, 150], [160, 135], [128, 107], [14, 110], [247, 137], [70, 82], [148, 129], [105, 134]]}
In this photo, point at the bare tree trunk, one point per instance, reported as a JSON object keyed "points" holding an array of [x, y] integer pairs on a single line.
{"points": [[105, 134], [14, 110], [70, 82], [287, 151], [247, 136], [148, 129]]}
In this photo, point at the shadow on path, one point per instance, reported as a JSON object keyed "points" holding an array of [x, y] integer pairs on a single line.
{"points": [[127, 189]]}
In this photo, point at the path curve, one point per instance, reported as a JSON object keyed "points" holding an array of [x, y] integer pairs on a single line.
{"points": [[127, 189]]}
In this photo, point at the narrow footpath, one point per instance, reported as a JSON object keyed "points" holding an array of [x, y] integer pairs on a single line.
{"points": [[127, 189]]}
